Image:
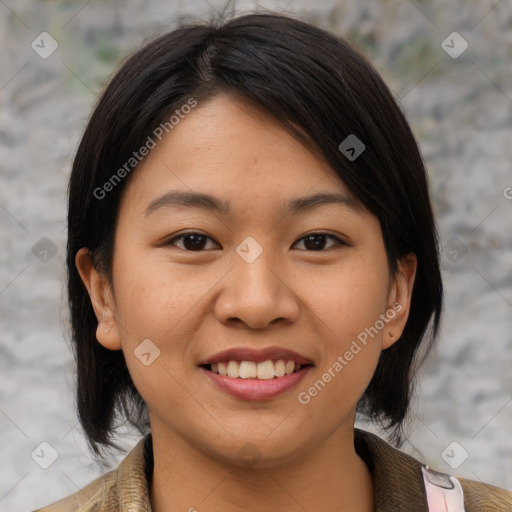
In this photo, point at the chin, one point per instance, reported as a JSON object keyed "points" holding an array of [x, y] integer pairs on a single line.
{"points": [[256, 451]]}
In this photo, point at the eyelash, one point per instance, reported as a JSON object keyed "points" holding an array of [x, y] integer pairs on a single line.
{"points": [[339, 242]]}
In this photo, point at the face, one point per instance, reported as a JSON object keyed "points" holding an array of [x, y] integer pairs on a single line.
{"points": [[297, 291]]}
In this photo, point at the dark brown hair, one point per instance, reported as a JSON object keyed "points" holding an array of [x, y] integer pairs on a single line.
{"points": [[321, 89]]}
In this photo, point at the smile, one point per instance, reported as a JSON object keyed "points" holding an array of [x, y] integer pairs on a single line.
{"points": [[248, 380], [264, 370]]}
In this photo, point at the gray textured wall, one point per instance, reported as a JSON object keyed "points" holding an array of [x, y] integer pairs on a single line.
{"points": [[461, 112]]}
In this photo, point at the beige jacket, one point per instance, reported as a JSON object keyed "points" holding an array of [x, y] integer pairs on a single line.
{"points": [[397, 478]]}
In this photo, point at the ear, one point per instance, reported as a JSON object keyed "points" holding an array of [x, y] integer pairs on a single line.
{"points": [[100, 293], [399, 300]]}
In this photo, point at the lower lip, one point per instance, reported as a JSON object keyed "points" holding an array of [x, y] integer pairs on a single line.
{"points": [[255, 389]]}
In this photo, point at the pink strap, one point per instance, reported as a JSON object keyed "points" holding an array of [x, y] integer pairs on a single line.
{"points": [[444, 492]]}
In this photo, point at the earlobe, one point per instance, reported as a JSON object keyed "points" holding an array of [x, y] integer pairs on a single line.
{"points": [[100, 295], [399, 300]]}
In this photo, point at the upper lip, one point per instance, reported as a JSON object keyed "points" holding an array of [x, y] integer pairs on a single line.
{"points": [[256, 355]]}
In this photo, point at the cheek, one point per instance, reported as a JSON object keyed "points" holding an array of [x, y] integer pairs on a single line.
{"points": [[155, 303], [153, 297], [349, 305], [351, 298], [165, 304]]}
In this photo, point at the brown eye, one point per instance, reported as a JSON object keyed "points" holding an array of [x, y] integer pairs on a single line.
{"points": [[197, 241], [191, 241], [316, 241]]}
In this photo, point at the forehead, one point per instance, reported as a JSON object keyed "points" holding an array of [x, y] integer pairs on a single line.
{"points": [[229, 149]]}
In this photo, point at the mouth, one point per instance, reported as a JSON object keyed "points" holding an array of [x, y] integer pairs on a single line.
{"points": [[256, 375], [265, 370]]}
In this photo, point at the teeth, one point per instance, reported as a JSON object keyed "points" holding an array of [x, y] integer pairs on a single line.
{"points": [[265, 370], [248, 370], [279, 368], [233, 369]]}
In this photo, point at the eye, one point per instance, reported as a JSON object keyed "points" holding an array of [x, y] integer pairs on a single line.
{"points": [[191, 241], [316, 241], [195, 241]]}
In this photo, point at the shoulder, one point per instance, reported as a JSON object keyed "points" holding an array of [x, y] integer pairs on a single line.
{"points": [[124, 488], [399, 480], [97, 496], [480, 497]]}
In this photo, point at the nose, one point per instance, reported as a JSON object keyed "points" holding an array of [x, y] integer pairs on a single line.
{"points": [[257, 294]]}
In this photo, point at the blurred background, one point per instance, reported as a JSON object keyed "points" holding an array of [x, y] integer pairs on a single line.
{"points": [[456, 90]]}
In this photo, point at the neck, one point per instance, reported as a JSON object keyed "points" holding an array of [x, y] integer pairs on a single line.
{"points": [[328, 477]]}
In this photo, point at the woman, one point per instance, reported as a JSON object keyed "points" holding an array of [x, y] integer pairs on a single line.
{"points": [[253, 259]]}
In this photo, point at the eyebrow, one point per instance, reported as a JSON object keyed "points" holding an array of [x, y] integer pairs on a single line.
{"points": [[211, 203]]}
